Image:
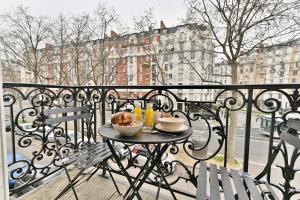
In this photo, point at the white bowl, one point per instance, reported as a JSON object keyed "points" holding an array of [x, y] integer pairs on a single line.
{"points": [[128, 130], [171, 123]]}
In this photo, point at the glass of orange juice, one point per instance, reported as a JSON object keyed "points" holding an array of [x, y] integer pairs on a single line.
{"points": [[149, 116], [138, 112]]}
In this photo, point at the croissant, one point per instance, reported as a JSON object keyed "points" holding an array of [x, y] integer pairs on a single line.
{"points": [[122, 119]]}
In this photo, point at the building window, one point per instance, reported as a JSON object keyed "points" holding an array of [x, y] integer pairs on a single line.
{"points": [[295, 72], [272, 70], [241, 69], [180, 56], [193, 54], [166, 67], [251, 69], [294, 80], [181, 46], [180, 77], [191, 75], [170, 76], [193, 49], [166, 57], [281, 73], [181, 35], [282, 66], [273, 60]]}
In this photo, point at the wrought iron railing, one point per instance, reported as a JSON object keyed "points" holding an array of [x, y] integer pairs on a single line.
{"points": [[32, 155]]}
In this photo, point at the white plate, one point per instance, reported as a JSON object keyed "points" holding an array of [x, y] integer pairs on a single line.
{"points": [[180, 129]]}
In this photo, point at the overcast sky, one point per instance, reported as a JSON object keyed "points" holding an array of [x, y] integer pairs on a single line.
{"points": [[168, 10]]}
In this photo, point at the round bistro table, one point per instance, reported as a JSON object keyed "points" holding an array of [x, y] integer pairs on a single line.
{"points": [[161, 141]]}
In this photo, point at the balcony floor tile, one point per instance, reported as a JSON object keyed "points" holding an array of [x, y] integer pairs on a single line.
{"points": [[97, 188]]}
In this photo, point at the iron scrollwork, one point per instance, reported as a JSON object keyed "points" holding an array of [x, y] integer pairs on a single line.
{"points": [[207, 118]]}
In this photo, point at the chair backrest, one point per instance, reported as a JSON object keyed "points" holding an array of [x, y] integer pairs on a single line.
{"points": [[56, 116], [291, 136]]}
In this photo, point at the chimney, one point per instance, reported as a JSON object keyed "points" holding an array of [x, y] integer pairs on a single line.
{"points": [[162, 25], [113, 34]]}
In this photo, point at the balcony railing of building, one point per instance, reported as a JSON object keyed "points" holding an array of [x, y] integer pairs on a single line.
{"points": [[32, 154]]}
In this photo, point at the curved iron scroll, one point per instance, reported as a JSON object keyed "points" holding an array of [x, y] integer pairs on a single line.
{"points": [[209, 119]]}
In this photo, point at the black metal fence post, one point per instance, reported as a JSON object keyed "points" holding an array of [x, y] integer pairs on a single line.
{"points": [[271, 142], [103, 106], [248, 129]]}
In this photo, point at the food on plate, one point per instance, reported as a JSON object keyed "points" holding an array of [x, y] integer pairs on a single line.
{"points": [[124, 119]]}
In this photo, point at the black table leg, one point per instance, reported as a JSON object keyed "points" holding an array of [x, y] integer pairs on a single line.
{"points": [[165, 180], [154, 162], [158, 189], [162, 178], [114, 154], [151, 154]]}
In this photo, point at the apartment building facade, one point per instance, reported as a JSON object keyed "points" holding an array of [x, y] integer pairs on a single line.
{"points": [[163, 56], [278, 64]]}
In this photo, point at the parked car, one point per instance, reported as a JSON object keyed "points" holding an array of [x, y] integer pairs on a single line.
{"points": [[266, 122], [20, 178], [206, 115]]}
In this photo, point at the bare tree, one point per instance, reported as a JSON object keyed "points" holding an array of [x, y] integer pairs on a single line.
{"points": [[145, 21], [157, 51], [58, 50], [22, 37], [81, 35], [106, 54], [201, 49], [239, 27], [11, 73]]}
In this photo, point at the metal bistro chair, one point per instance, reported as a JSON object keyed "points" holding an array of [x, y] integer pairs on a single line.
{"points": [[88, 155], [245, 186]]}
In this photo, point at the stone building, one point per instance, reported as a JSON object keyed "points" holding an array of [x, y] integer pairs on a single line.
{"points": [[163, 56], [278, 64]]}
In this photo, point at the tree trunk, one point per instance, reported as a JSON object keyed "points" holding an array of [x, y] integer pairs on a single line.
{"points": [[233, 119]]}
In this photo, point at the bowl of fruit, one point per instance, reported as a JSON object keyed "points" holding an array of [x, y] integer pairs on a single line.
{"points": [[125, 124]]}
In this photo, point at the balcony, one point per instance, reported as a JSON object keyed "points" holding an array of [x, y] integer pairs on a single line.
{"points": [[257, 113]]}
